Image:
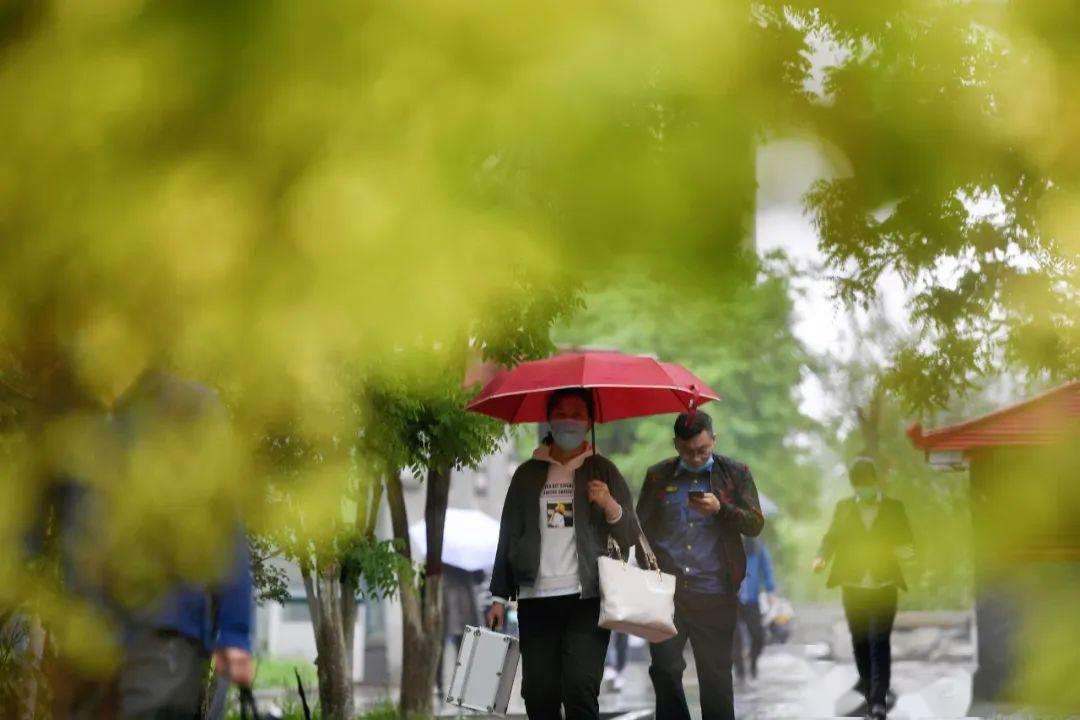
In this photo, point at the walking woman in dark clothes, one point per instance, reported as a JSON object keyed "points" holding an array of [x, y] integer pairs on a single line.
{"points": [[866, 541], [562, 506]]}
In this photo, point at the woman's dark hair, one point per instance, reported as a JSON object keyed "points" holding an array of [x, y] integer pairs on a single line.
{"points": [[583, 393], [863, 471]]}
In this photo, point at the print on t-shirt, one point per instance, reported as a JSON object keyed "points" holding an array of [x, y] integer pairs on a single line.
{"points": [[558, 499], [560, 515]]}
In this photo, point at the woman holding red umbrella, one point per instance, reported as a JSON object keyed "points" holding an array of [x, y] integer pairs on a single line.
{"points": [[562, 506]]}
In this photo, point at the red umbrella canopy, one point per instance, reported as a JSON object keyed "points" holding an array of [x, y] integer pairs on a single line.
{"points": [[623, 386]]}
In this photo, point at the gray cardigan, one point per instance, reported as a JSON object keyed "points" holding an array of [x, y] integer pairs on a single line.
{"points": [[518, 556]]}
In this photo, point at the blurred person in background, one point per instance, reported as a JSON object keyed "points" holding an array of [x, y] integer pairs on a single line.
{"points": [[693, 509], [868, 537], [169, 629], [616, 660], [759, 579], [460, 608], [560, 509]]}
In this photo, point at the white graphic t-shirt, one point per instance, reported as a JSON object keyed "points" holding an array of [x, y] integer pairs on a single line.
{"points": [[558, 572]]}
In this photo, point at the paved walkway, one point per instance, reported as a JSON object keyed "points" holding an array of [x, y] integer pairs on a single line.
{"points": [[810, 677], [792, 685]]}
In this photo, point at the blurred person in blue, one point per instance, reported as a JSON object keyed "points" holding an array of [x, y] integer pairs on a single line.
{"points": [[868, 537], [693, 509], [168, 634], [759, 579]]}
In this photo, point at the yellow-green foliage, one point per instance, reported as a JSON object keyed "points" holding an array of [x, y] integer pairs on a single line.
{"points": [[299, 202]]}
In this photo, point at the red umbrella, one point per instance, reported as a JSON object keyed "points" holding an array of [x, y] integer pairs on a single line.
{"points": [[622, 385]]}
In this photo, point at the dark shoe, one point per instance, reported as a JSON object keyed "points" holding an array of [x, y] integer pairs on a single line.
{"points": [[877, 713], [753, 670], [890, 699]]}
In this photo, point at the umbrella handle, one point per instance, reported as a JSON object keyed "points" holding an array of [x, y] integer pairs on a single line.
{"points": [[691, 409]]}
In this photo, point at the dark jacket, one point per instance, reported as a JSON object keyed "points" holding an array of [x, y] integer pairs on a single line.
{"points": [[854, 549], [739, 514], [518, 556]]}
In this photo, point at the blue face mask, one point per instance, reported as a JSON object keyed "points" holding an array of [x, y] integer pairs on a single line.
{"points": [[569, 434], [867, 493], [707, 465]]}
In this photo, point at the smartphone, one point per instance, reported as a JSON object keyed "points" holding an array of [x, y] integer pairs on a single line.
{"points": [[697, 494]]}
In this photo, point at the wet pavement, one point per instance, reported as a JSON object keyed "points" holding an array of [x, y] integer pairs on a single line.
{"points": [[792, 685], [812, 675]]}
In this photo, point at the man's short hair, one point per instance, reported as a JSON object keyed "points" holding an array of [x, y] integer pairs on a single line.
{"points": [[687, 426]]}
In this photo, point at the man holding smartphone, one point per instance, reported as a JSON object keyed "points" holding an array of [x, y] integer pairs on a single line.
{"points": [[694, 508]]}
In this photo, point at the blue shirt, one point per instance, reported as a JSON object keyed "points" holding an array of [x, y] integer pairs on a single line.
{"points": [[691, 540], [189, 610], [758, 575]]}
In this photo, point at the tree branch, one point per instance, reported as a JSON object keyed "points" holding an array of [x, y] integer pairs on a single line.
{"points": [[438, 496], [395, 496], [309, 594]]}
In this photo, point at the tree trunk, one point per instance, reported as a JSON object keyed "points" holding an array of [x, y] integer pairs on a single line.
{"points": [[367, 514], [869, 417], [325, 600], [421, 601]]}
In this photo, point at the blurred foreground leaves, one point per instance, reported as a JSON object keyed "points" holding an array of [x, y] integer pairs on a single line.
{"points": [[316, 207]]}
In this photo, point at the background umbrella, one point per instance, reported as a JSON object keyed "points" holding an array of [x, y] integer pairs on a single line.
{"points": [[768, 507], [470, 539], [623, 386]]}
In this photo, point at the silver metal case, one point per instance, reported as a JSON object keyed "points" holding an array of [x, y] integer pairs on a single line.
{"points": [[485, 671]]}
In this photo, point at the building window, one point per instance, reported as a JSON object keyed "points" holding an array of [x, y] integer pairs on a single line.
{"points": [[295, 610]]}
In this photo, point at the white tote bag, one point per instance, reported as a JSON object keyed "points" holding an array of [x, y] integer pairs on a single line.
{"points": [[636, 601]]}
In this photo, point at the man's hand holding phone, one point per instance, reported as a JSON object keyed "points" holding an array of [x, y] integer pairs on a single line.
{"points": [[705, 503]]}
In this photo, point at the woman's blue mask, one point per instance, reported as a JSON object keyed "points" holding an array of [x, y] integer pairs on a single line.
{"points": [[569, 434]]}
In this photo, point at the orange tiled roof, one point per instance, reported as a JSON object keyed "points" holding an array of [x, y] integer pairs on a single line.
{"points": [[1045, 419]]}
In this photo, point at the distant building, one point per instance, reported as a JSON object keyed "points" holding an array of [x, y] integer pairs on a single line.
{"points": [[1024, 473]]}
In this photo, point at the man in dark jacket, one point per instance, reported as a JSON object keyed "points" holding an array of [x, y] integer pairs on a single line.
{"points": [[693, 509]]}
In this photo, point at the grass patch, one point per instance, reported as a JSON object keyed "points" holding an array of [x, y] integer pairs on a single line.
{"points": [[282, 673]]}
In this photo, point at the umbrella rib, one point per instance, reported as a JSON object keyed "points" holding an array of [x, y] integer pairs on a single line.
{"points": [[517, 410], [680, 400], [550, 388]]}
